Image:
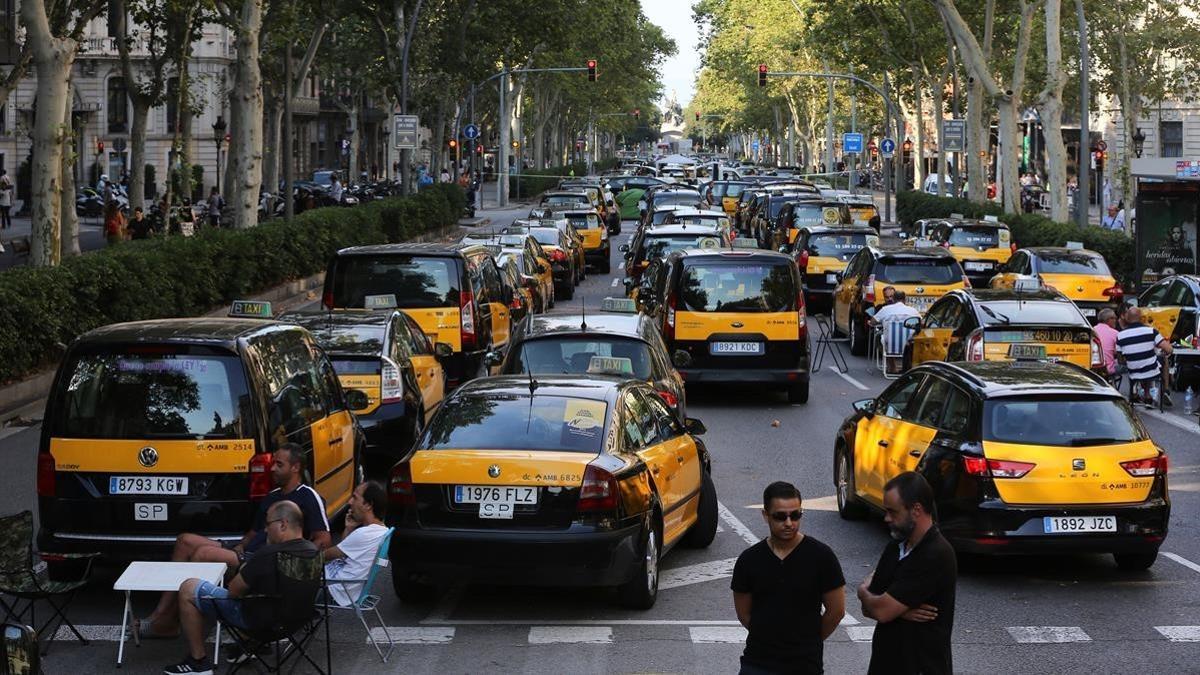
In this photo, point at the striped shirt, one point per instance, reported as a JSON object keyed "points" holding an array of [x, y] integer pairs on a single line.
{"points": [[1136, 342]]}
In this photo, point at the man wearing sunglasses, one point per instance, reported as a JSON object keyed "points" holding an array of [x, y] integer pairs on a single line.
{"points": [[788, 591]]}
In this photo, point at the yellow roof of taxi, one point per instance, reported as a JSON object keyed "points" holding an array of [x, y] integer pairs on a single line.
{"points": [[1003, 379], [199, 330]]}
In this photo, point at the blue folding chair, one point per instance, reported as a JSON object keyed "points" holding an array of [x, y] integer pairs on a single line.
{"points": [[366, 601]]}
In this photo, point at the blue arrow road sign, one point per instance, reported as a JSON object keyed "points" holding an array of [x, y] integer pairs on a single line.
{"points": [[852, 143], [470, 132], [887, 147]]}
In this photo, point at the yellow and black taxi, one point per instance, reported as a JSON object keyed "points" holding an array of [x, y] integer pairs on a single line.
{"points": [[723, 194], [1025, 457], [649, 245], [1172, 307], [593, 234], [823, 251], [575, 242], [733, 316], [981, 246], [1004, 325], [520, 275], [386, 356], [557, 247], [607, 205], [154, 428], [553, 480], [1081, 275], [863, 211], [534, 261], [665, 196], [924, 274], [807, 211], [628, 343], [454, 293]]}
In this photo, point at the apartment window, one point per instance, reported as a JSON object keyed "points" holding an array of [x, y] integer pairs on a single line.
{"points": [[3, 119], [118, 105], [172, 103], [1172, 139], [8, 31], [114, 20]]}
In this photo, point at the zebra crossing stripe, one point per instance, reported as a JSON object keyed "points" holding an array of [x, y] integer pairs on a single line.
{"points": [[711, 635], [411, 635], [1048, 634], [1180, 633], [588, 635]]}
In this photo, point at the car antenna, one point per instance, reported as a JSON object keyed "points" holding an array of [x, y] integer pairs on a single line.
{"points": [[533, 383], [583, 314]]}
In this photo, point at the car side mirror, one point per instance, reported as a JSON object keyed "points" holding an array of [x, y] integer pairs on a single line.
{"points": [[694, 426], [913, 323], [681, 358], [902, 236], [493, 358], [357, 400], [866, 406], [840, 274], [623, 248], [443, 351]]}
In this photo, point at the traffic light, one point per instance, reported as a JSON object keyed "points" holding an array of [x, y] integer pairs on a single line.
{"points": [[1098, 157], [479, 149], [453, 144], [591, 66], [516, 144], [99, 147], [762, 74], [697, 117], [637, 114]]}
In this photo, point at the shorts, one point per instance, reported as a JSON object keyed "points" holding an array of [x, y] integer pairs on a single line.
{"points": [[214, 603]]}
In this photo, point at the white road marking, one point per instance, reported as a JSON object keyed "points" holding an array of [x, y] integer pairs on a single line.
{"points": [[621, 265], [696, 574], [851, 380], [1182, 561], [589, 635], [736, 525], [1185, 487], [1048, 634], [616, 280], [860, 633], [1177, 633], [109, 633], [815, 503], [709, 635], [413, 635], [1190, 427]]}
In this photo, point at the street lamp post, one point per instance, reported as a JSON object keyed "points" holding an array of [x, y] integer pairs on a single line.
{"points": [[219, 128], [1139, 142]]}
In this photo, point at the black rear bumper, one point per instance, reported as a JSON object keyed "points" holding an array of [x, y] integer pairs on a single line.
{"points": [[1000, 528]]}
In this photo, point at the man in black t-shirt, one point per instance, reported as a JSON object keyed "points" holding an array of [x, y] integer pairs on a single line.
{"points": [[202, 600], [911, 592], [780, 586]]}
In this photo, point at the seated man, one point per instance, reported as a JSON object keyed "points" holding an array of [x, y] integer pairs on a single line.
{"points": [[201, 600], [286, 471], [354, 555]]}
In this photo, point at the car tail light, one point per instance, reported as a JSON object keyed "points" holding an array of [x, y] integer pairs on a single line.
{"points": [[966, 282], [975, 346], [516, 300], [1151, 466], [260, 475], [598, 491], [802, 262], [400, 485], [1115, 292], [1097, 354], [558, 255], [995, 468], [327, 300], [466, 306], [46, 476], [669, 323], [800, 311], [869, 290], [1013, 247], [391, 381], [669, 398]]}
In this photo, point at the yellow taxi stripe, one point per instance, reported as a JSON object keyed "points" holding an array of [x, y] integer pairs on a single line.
{"points": [[174, 456]]}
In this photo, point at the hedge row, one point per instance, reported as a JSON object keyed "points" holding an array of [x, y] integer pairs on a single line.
{"points": [[1028, 229], [188, 276]]}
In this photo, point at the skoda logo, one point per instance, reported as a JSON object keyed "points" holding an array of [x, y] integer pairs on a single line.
{"points": [[737, 324], [147, 457], [494, 471], [1079, 288], [1078, 465]]}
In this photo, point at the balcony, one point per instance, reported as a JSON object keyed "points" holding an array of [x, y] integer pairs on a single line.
{"points": [[306, 106]]}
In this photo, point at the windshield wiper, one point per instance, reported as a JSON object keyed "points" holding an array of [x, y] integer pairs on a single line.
{"points": [[999, 317]]}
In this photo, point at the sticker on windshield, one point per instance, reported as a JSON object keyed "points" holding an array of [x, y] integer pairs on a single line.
{"points": [[831, 215], [709, 243], [583, 419]]}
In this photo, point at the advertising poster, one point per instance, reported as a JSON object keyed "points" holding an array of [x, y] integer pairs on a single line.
{"points": [[1166, 230]]}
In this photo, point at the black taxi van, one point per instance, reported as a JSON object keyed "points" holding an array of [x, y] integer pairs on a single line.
{"points": [[454, 292], [153, 428]]}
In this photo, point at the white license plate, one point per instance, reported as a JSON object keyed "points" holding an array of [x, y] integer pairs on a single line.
{"points": [[921, 304], [496, 501], [147, 485], [978, 266], [149, 511], [831, 279], [741, 348], [1087, 311], [1071, 524]]}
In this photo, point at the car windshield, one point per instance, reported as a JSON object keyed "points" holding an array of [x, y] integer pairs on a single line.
{"points": [[662, 246], [1050, 312], [417, 282], [1061, 422], [589, 221], [518, 422], [733, 287], [572, 355], [545, 236], [682, 198], [153, 395], [807, 214], [918, 271], [564, 200], [777, 206], [975, 237], [1072, 263], [840, 245]]}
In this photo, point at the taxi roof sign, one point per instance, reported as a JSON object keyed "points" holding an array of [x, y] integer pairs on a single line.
{"points": [[385, 301], [991, 219], [610, 365], [1027, 284], [620, 305], [745, 242], [250, 309], [1075, 245]]}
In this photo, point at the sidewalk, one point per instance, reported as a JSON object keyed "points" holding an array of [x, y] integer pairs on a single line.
{"points": [[91, 237]]}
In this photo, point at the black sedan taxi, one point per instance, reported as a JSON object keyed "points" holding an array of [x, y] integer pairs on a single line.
{"points": [[550, 480], [1024, 457], [1172, 306]]}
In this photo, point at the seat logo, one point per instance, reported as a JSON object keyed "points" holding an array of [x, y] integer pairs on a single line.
{"points": [[148, 457], [737, 324], [494, 471], [1078, 465]]}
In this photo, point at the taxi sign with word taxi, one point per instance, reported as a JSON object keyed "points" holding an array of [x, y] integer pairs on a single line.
{"points": [[622, 305], [610, 365], [387, 301], [852, 142], [470, 132], [887, 147], [250, 309]]}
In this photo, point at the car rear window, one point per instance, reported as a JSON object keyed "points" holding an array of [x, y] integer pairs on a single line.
{"points": [[416, 281], [807, 214], [975, 237], [1059, 421], [564, 200], [1035, 313], [350, 366], [734, 190], [1072, 263], [662, 246], [841, 246], [682, 198], [918, 271], [518, 422], [589, 221], [153, 395], [573, 355], [733, 287]]}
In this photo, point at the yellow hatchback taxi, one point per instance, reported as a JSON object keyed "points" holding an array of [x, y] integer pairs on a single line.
{"points": [[982, 246], [552, 480], [454, 292], [1026, 457], [1003, 325], [822, 252], [594, 235], [1080, 274], [159, 427], [924, 274]]}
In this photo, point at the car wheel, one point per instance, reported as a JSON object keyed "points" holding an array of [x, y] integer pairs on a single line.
{"points": [[1135, 562], [607, 268], [641, 591], [858, 337], [704, 530], [409, 590], [849, 508], [798, 393]]}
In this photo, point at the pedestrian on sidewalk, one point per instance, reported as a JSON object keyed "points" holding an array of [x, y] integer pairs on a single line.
{"points": [[114, 224], [1114, 220], [444, 177], [911, 592], [215, 204], [139, 227], [788, 591], [6, 200]]}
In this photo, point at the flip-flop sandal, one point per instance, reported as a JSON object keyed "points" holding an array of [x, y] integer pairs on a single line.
{"points": [[143, 629]]}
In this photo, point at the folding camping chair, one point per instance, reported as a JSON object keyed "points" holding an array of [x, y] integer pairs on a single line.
{"points": [[893, 338], [827, 343], [365, 601]]}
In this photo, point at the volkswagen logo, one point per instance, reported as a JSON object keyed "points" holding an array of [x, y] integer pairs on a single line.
{"points": [[1078, 464], [919, 289], [737, 324], [148, 457], [494, 471]]}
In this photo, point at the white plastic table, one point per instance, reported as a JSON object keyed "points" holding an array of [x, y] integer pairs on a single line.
{"points": [[145, 575]]}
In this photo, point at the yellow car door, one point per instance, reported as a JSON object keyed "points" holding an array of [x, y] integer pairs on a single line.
{"points": [[492, 291], [932, 341], [412, 344], [641, 435], [333, 441], [879, 434], [844, 294], [680, 450]]}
